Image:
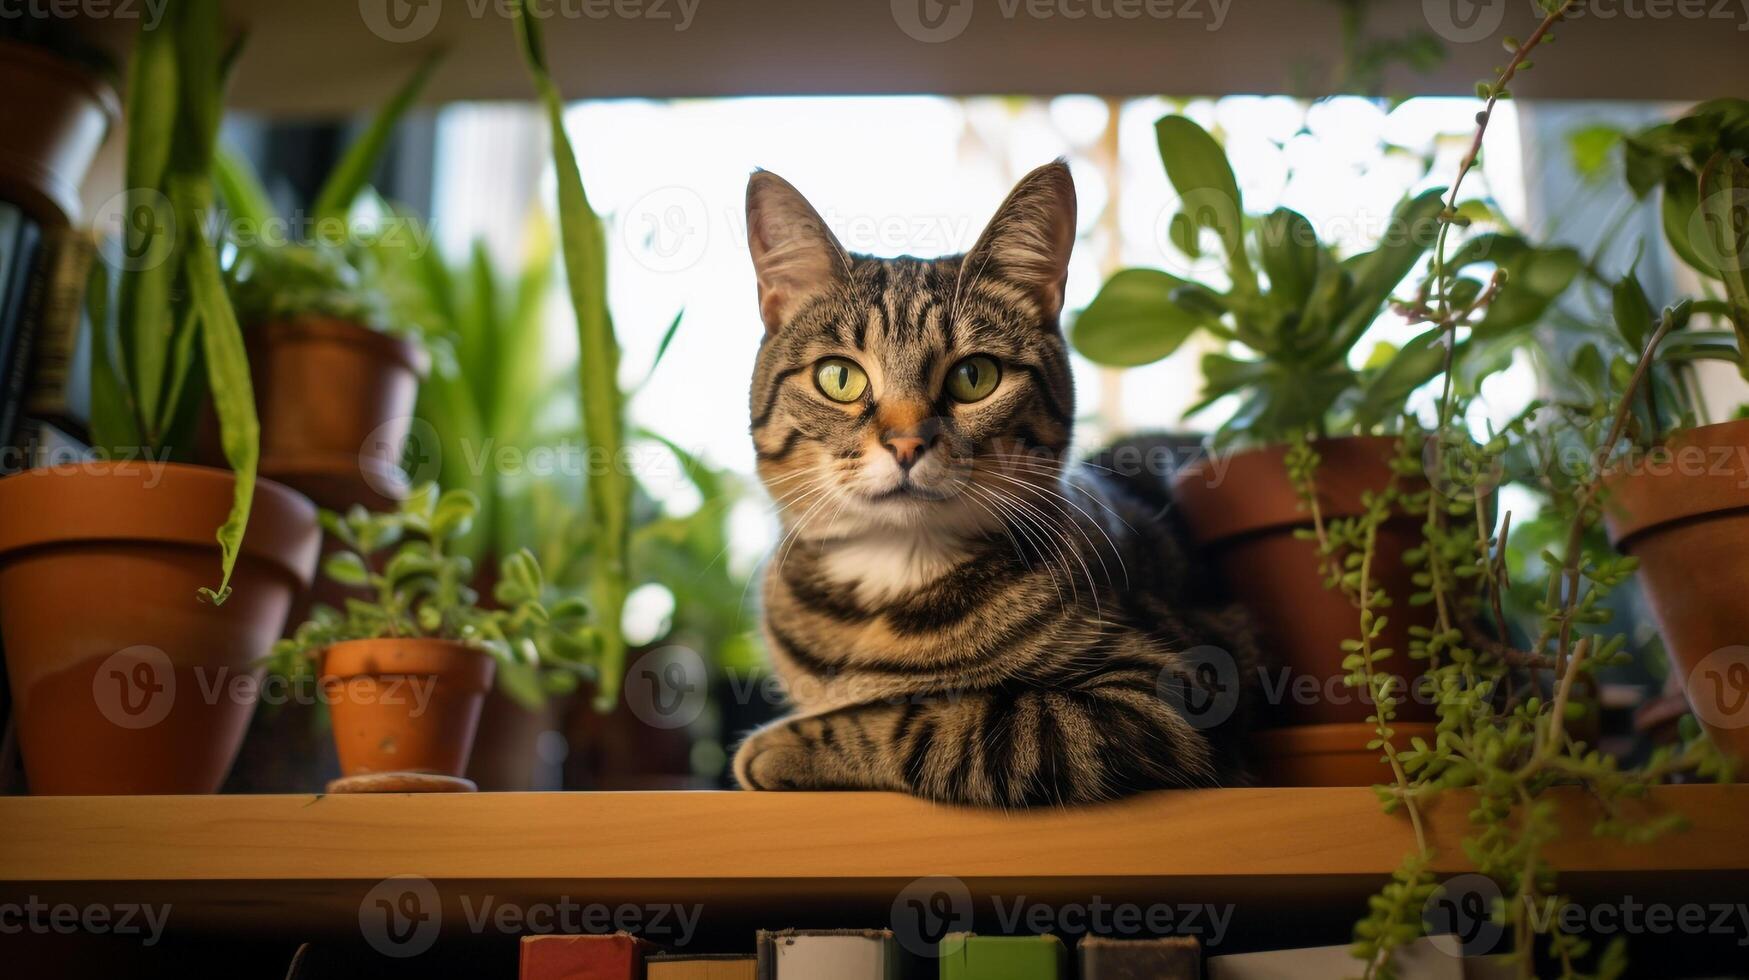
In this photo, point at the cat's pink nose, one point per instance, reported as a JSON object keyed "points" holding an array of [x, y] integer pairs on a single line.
{"points": [[907, 449]]}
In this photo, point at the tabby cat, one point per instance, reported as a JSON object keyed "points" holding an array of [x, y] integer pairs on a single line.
{"points": [[955, 613]]}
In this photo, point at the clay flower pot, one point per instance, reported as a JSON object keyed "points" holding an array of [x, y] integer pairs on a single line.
{"points": [[1244, 517], [405, 705], [124, 680], [55, 116], [1684, 513], [334, 395]]}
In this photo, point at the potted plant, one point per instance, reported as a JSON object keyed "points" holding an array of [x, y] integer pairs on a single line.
{"points": [[124, 679], [405, 672], [336, 362], [1299, 311], [59, 106], [1678, 504]]}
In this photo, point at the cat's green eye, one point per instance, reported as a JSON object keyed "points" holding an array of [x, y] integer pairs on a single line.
{"points": [[973, 379], [840, 379]]}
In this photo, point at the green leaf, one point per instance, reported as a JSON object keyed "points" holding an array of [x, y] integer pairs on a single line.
{"points": [[227, 364], [149, 240], [1536, 277], [1384, 391], [361, 159], [1591, 147], [113, 425], [1134, 320], [1198, 169], [346, 568], [1291, 255], [1633, 311], [1413, 227], [454, 514], [585, 256], [241, 192]]}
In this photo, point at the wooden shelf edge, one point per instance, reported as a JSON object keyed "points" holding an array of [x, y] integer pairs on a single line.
{"points": [[1272, 833]]}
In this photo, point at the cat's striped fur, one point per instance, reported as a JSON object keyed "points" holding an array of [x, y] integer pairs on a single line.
{"points": [[986, 625]]}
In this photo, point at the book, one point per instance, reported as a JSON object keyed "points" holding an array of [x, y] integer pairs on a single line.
{"points": [[828, 954], [701, 966], [57, 389], [619, 956], [968, 956], [1164, 958], [20, 240], [1419, 960]]}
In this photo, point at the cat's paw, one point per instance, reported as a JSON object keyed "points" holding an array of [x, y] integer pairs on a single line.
{"points": [[772, 760]]}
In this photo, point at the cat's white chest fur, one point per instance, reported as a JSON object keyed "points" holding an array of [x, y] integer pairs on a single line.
{"points": [[887, 565]]}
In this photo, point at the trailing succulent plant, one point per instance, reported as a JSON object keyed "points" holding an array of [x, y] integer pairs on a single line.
{"points": [[1511, 718], [419, 587]]}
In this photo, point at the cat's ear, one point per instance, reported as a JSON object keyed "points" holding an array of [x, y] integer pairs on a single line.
{"points": [[795, 255], [1027, 243]]}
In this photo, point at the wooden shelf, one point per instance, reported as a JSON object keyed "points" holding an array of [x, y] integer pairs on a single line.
{"points": [[1275, 833], [248, 877]]}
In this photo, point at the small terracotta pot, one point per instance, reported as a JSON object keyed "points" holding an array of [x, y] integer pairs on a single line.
{"points": [[1327, 755], [405, 705], [334, 393], [1684, 513], [124, 680], [1245, 517], [54, 117]]}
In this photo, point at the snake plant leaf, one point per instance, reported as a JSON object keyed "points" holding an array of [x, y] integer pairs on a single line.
{"points": [[227, 365], [355, 168], [1198, 169], [113, 423], [149, 240], [240, 190], [584, 247], [1134, 319]]}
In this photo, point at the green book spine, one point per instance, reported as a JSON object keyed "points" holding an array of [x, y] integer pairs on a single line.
{"points": [[965, 956]]}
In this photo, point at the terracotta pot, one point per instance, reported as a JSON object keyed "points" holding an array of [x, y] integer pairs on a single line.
{"points": [[1684, 513], [1245, 517], [1327, 755], [124, 680], [334, 393], [405, 705], [54, 117]]}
